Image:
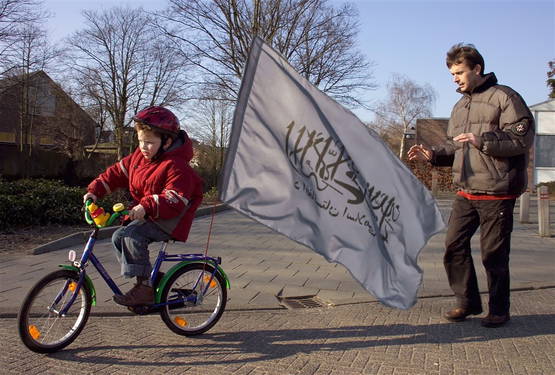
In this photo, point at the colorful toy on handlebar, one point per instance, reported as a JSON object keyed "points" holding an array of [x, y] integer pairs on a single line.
{"points": [[97, 215]]}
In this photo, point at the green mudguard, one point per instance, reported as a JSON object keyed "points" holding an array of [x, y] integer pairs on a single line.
{"points": [[179, 266], [88, 282]]}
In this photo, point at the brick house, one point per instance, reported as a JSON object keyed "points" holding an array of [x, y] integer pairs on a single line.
{"points": [[41, 127]]}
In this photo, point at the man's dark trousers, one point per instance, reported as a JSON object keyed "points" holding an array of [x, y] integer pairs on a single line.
{"points": [[495, 219]]}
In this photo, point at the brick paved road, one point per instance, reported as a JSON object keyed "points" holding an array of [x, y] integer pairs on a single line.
{"points": [[356, 338], [366, 338], [261, 264]]}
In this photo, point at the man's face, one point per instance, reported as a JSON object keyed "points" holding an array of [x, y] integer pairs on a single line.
{"points": [[466, 78], [149, 143]]}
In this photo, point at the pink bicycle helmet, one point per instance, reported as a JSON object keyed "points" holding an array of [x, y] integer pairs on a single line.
{"points": [[159, 118]]}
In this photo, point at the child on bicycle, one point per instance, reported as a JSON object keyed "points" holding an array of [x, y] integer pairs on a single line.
{"points": [[166, 193]]}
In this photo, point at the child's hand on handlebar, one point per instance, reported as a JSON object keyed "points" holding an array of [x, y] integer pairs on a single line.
{"points": [[137, 212], [89, 196]]}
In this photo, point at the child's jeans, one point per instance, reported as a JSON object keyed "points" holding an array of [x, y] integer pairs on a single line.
{"points": [[131, 246]]}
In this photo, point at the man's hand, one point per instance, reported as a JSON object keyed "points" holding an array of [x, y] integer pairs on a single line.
{"points": [[420, 152], [467, 137], [137, 212], [89, 196]]}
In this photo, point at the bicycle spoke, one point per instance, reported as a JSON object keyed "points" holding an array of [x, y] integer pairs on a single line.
{"points": [[41, 326], [196, 313]]}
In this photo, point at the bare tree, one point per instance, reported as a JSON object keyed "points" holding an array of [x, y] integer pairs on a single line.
{"points": [[94, 105], [30, 52], [406, 102], [316, 38], [124, 64], [15, 15], [211, 125], [551, 78], [34, 54], [391, 134]]}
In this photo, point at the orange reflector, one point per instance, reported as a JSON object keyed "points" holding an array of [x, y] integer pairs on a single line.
{"points": [[207, 280], [72, 286], [34, 332], [180, 321]]}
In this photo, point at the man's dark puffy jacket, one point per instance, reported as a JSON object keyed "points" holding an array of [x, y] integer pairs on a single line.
{"points": [[504, 127]]}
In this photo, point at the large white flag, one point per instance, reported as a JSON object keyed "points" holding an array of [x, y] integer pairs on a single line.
{"points": [[308, 168]]}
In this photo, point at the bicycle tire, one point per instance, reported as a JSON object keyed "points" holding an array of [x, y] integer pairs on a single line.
{"points": [[41, 329], [193, 318]]}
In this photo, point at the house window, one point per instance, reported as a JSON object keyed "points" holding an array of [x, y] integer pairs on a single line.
{"points": [[42, 101], [545, 122], [545, 150]]}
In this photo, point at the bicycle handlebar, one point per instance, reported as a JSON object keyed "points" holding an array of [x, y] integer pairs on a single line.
{"points": [[95, 215]]}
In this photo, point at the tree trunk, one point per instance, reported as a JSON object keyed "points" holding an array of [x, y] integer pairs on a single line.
{"points": [[402, 148]]}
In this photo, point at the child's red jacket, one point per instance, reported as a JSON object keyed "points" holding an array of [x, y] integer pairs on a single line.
{"points": [[168, 188]]}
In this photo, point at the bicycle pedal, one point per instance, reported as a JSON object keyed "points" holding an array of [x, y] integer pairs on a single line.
{"points": [[184, 292], [178, 305], [143, 309]]}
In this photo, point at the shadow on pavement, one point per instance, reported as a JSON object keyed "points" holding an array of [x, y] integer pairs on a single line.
{"points": [[262, 345]]}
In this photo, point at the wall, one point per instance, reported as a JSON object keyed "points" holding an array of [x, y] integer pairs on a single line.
{"points": [[51, 164]]}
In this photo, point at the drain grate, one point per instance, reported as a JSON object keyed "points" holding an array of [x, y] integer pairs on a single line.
{"points": [[304, 302]]}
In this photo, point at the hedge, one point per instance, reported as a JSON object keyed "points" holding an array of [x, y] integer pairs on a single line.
{"points": [[31, 202]]}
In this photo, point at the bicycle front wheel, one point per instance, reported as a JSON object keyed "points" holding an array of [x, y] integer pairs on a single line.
{"points": [[41, 326], [196, 300]]}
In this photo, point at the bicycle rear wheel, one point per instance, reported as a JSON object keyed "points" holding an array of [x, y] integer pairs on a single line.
{"points": [[196, 299], [41, 328]]}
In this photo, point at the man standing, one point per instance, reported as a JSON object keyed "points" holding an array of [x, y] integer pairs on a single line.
{"points": [[489, 136]]}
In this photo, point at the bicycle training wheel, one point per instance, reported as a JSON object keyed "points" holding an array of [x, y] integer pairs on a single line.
{"points": [[41, 328], [198, 299]]}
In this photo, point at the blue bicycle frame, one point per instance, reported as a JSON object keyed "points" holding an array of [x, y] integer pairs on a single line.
{"points": [[162, 257]]}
